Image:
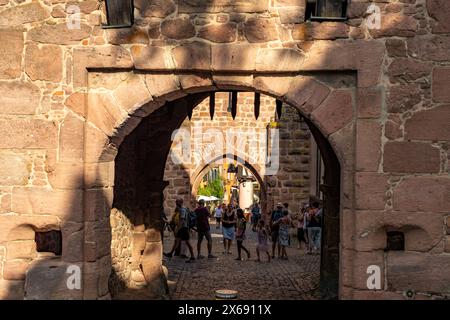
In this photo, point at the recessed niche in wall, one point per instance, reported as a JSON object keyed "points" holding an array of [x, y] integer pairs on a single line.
{"points": [[50, 241], [395, 241]]}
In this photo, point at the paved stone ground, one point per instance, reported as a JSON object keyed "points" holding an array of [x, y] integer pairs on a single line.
{"points": [[293, 279]]}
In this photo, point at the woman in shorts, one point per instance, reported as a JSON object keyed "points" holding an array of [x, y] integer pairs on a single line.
{"points": [[228, 228]]}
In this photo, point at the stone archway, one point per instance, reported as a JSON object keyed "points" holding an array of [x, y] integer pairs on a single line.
{"points": [[203, 169], [322, 88], [317, 103]]}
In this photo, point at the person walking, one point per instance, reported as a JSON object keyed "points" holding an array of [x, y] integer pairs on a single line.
{"points": [[228, 228], [283, 233], [181, 230], [288, 213], [218, 215], [274, 228], [241, 225], [286, 208], [165, 223], [203, 228], [301, 230], [263, 237], [314, 228], [305, 224], [256, 215]]}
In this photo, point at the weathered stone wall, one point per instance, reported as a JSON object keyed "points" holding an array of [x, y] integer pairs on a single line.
{"points": [[121, 251], [291, 184], [390, 131]]}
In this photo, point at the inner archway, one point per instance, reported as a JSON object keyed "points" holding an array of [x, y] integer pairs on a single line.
{"points": [[230, 165], [138, 197]]}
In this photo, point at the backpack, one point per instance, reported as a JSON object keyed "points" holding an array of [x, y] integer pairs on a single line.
{"points": [[175, 220], [314, 220], [192, 217], [318, 219]]}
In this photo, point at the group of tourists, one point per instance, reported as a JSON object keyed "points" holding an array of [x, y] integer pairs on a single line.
{"points": [[181, 225], [233, 222], [234, 226], [309, 228]]}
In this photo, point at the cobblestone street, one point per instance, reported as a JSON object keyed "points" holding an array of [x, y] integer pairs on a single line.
{"points": [[296, 278]]}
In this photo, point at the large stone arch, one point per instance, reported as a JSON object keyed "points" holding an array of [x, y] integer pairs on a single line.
{"points": [[306, 94], [316, 101]]}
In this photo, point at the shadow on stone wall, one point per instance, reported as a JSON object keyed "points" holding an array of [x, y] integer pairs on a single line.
{"points": [[44, 275], [138, 197]]}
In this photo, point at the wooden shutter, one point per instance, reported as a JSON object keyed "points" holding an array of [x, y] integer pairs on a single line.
{"points": [[120, 13], [331, 8]]}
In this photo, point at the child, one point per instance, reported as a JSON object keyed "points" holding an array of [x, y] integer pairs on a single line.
{"points": [[263, 235], [240, 233]]}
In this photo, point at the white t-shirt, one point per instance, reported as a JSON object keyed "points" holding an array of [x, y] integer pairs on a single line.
{"points": [[218, 213]]}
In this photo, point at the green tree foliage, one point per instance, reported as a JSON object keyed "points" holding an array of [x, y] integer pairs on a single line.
{"points": [[214, 188]]}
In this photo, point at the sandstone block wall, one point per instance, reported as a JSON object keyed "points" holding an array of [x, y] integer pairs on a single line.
{"points": [[292, 182]]}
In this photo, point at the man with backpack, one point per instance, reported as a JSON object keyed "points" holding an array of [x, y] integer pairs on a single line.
{"points": [[180, 223], [192, 216], [202, 215]]}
